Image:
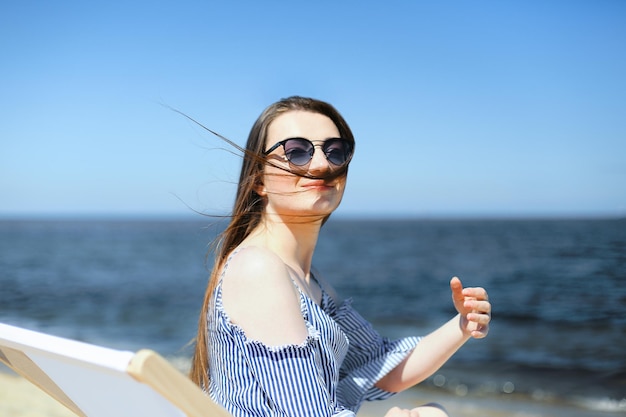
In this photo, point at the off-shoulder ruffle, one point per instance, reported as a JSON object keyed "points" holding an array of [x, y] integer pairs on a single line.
{"points": [[312, 337], [237, 331]]}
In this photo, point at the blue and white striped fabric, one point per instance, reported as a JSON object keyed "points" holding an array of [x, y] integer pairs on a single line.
{"points": [[330, 374]]}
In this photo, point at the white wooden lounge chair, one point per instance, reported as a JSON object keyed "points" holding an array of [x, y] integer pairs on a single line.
{"points": [[93, 381]]}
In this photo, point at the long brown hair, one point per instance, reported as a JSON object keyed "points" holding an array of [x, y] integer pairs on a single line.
{"points": [[249, 206]]}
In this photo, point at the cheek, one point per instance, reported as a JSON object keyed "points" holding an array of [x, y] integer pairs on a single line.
{"points": [[341, 183], [276, 179]]}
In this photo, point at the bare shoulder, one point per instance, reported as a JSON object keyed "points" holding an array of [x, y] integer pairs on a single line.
{"points": [[260, 297], [253, 259]]}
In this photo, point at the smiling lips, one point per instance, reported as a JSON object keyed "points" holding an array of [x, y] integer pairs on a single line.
{"points": [[317, 185]]}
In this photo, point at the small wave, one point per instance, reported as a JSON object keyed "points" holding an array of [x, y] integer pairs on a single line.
{"points": [[609, 405]]}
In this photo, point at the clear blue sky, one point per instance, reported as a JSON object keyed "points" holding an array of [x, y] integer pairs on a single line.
{"points": [[460, 108]]}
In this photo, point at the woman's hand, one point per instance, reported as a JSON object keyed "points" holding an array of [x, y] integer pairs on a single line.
{"points": [[473, 306], [429, 410], [399, 412]]}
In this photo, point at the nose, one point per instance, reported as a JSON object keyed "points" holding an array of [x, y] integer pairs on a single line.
{"points": [[319, 163]]}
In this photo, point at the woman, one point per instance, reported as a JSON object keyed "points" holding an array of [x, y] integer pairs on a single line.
{"points": [[273, 340]]}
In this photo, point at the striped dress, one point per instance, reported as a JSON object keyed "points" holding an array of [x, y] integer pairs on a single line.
{"points": [[330, 374]]}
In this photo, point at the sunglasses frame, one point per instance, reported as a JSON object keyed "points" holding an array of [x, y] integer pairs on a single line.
{"points": [[322, 146]]}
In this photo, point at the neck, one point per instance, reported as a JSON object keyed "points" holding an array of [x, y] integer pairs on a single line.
{"points": [[293, 239]]}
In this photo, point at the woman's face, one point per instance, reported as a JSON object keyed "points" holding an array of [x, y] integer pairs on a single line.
{"points": [[291, 194]]}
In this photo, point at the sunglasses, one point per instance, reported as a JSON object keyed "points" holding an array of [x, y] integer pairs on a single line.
{"points": [[299, 151]]}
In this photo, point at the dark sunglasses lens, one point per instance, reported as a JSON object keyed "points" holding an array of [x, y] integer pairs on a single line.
{"points": [[337, 151], [298, 151]]}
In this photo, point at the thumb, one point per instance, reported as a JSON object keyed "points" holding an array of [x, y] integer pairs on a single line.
{"points": [[457, 290]]}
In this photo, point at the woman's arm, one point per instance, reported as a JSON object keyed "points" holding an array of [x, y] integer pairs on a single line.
{"points": [[260, 297], [436, 348]]}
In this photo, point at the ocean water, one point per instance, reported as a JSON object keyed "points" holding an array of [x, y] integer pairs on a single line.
{"points": [[557, 288]]}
